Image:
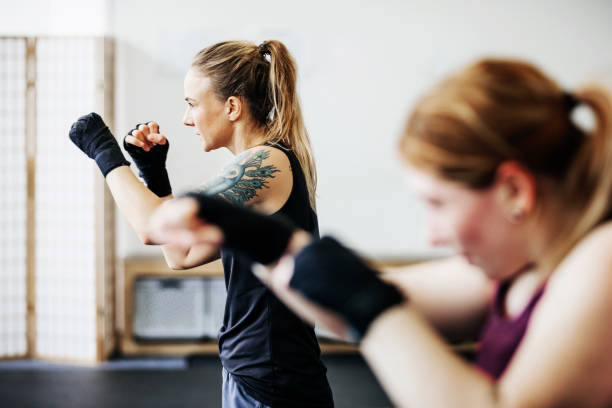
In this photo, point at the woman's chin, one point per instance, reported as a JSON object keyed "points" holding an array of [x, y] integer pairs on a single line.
{"points": [[206, 146], [467, 258]]}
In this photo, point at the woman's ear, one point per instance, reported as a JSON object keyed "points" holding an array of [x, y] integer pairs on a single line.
{"points": [[516, 187], [233, 108]]}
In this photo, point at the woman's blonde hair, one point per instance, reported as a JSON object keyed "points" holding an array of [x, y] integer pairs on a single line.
{"points": [[266, 77], [498, 110]]}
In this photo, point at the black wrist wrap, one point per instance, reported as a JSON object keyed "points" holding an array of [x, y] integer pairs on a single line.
{"points": [[333, 276], [151, 165], [263, 238], [90, 134]]}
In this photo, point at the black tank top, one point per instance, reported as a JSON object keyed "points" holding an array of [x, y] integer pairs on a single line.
{"points": [[271, 352]]}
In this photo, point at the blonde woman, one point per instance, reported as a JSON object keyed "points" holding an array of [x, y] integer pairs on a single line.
{"points": [[242, 97], [524, 197]]}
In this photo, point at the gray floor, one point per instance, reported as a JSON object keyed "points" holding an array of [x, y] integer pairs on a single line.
{"points": [[194, 382]]}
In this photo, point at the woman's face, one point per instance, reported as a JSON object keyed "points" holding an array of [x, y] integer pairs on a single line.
{"points": [[206, 112], [472, 223]]}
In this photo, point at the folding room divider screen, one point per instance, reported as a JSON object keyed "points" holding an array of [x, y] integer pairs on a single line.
{"points": [[56, 255], [13, 199]]}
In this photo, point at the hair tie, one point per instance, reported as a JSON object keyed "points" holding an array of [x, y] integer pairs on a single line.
{"points": [[569, 101], [264, 51]]}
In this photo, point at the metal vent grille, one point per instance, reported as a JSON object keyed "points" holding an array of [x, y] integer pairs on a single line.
{"points": [[177, 308]]}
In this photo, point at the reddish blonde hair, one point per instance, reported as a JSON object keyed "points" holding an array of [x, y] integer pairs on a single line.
{"points": [[498, 110]]}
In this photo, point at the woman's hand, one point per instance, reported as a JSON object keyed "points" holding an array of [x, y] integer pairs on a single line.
{"points": [[146, 136], [149, 149], [90, 134], [336, 279], [277, 278]]}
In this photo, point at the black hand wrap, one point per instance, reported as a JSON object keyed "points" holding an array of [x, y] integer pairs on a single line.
{"points": [[151, 165], [334, 277], [263, 238], [90, 134]]}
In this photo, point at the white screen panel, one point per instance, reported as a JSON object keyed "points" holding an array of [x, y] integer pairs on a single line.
{"points": [[65, 216], [13, 196]]}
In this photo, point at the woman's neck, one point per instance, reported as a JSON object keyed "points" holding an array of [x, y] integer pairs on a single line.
{"points": [[246, 136], [522, 288]]}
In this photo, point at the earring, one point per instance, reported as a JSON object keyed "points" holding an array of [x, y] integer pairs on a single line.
{"points": [[516, 214]]}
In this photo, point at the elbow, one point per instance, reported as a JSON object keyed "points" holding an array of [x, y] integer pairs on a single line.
{"points": [[175, 266], [145, 238]]}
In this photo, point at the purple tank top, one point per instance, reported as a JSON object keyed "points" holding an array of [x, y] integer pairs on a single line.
{"points": [[501, 334]]}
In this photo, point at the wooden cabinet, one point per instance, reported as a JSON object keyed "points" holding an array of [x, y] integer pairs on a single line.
{"points": [[133, 269]]}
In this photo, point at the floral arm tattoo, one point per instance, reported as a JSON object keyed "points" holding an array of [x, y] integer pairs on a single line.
{"points": [[240, 180]]}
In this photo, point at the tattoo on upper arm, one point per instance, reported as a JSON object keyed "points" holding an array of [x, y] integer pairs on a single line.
{"points": [[239, 181]]}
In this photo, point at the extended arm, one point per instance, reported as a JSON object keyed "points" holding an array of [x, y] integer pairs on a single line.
{"points": [[452, 295], [563, 361], [135, 201]]}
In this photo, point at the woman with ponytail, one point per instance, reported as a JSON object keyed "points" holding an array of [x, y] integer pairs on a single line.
{"points": [[523, 196], [242, 97]]}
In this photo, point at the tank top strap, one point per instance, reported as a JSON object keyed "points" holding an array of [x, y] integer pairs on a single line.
{"points": [[499, 301], [285, 149], [297, 207], [535, 298], [501, 336], [278, 145], [296, 167]]}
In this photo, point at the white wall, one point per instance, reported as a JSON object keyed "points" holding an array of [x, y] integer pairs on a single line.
{"points": [[362, 66], [53, 17]]}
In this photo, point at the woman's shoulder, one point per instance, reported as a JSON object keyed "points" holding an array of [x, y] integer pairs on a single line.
{"points": [[589, 262], [254, 177], [271, 157], [598, 234], [584, 278], [592, 252], [266, 169], [569, 331]]}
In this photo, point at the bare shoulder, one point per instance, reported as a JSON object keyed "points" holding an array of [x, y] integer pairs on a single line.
{"points": [[583, 280], [569, 333], [253, 178], [270, 156], [598, 239], [591, 258]]}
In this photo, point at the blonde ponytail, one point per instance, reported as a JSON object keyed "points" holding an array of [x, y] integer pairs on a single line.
{"points": [[286, 124]]}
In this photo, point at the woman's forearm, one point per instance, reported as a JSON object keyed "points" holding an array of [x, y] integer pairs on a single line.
{"points": [[135, 201], [452, 295], [417, 368]]}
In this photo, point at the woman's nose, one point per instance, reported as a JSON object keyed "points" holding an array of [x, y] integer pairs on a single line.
{"points": [[187, 119], [435, 237]]}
